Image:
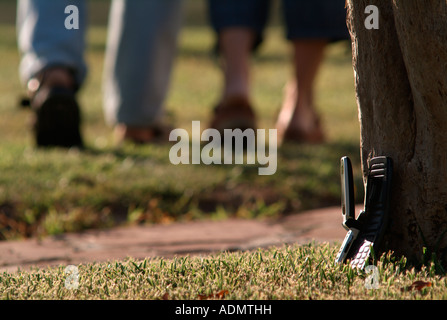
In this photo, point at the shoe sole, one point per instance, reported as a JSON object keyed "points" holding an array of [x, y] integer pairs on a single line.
{"points": [[58, 120]]}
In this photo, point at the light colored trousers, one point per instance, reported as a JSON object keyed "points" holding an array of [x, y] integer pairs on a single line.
{"points": [[141, 47]]}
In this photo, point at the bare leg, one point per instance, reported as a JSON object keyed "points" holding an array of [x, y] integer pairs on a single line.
{"points": [[235, 44], [298, 120], [234, 109]]}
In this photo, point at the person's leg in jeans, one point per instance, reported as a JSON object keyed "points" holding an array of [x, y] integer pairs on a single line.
{"points": [[141, 48], [52, 67], [45, 42], [239, 25], [310, 27]]}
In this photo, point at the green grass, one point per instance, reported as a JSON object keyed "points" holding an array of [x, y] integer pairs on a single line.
{"points": [[285, 273], [45, 192], [54, 191]]}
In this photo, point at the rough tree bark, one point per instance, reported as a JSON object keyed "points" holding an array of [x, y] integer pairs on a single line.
{"points": [[400, 75]]}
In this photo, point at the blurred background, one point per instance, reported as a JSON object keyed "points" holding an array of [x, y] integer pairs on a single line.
{"points": [[54, 191]]}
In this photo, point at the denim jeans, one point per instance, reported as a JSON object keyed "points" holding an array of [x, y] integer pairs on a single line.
{"points": [[141, 47], [303, 18]]}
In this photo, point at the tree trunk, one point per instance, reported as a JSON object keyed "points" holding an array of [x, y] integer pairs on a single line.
{"points": [[400, 74]]}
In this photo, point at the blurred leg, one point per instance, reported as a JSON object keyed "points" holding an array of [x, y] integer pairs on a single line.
{"points": [[310, 25], [236, 44], [141, 48], [45, 42], [298, 119], [52, 66], [239, 25]]}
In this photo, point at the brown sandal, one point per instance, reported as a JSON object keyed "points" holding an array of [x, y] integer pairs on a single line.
{"points": [[298, 135], [233, 113], [158, 133]]}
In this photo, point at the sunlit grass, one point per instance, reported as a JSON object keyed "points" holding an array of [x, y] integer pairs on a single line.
{"points": [[52, 191], [108, 183], [285, 273]]}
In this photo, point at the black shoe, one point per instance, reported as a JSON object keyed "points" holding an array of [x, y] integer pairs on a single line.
{"points": [[57, 117]]}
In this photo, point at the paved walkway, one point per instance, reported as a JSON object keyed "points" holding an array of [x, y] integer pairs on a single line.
{"points": [[204, 237]]}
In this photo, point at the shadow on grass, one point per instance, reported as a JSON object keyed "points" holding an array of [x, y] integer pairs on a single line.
{"points": [[307, 177]]}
